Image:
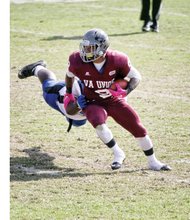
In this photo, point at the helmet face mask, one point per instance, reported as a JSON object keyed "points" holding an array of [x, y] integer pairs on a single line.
{"points": [[94, 45]]}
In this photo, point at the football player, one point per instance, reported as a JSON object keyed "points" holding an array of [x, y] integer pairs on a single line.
{"points": [[98, 67], [54, 91]]}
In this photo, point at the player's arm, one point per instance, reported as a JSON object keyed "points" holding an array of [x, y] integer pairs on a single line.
{"points": [[68, 97], [69, 79], [72, 105], [134, 79]]}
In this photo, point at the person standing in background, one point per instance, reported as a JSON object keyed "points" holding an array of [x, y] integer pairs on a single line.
{"points": [[150, 24]]}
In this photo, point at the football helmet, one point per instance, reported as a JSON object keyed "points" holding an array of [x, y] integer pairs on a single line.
{"points": [[94, 44]]}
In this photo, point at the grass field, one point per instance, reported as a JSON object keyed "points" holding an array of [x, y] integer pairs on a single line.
{"points": [[57, 175]]}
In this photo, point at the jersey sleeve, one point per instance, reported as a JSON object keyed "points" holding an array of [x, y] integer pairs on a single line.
{"points": [[134, 73], [73, 63], [71, 68], [124, 64]]}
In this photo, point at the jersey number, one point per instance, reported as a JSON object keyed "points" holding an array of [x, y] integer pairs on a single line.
{"points": [[103, 93]]}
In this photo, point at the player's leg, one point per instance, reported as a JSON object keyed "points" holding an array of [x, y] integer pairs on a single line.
{"points": [[37, 69], [156, 8], [145, 15], [97, 116], [50, 86], [146, 145], [44, 74], [105, 134], [125, 115]]}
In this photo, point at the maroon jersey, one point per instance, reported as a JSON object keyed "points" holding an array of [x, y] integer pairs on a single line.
{"points": [[96, 83]]}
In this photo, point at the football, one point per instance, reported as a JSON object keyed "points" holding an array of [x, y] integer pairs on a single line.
{"points": [[122, 82], [72, 108]]}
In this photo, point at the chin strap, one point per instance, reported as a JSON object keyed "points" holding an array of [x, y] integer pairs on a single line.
{"points": [[70, 124]]}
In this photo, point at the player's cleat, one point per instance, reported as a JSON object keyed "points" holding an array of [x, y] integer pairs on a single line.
{"points": [[154, 27], [166, 168], [118, 161], [115, 165], [160, 167], [28, 70], [146, 26]]}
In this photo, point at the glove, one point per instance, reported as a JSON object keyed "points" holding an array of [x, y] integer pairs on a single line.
{"points": [[81, 101], [67, 99], [119, 92]]}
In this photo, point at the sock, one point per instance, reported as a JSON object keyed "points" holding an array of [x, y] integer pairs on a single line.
{"points": [[145, 143], [119, 155], [105, 134], [152, 159], [147, 146], [154, 163], [37, 69]]}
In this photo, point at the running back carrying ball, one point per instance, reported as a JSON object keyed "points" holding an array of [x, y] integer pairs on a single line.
{"points": [[122, 83]]}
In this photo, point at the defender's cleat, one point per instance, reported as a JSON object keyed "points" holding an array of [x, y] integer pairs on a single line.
{"points": [[28, 70]]}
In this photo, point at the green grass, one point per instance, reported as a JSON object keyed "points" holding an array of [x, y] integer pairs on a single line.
{"points": [[57, 175]]}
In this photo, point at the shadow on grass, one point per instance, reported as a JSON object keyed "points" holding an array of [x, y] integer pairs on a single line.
{"points": [[38, 165], [61, 37]]}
